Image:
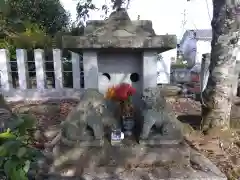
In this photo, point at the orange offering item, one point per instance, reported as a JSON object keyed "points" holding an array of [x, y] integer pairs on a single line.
{"points": [[110, 94]]}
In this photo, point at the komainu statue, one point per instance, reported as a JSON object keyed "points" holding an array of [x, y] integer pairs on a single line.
{"points": [[159, 122], [87, 122]]}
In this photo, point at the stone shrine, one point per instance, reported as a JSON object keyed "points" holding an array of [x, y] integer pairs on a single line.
{"points": [[120, 50], [114, 51], [82, 153]]}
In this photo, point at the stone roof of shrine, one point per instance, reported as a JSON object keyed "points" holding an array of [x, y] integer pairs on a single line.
{"points": [[118, 31]]}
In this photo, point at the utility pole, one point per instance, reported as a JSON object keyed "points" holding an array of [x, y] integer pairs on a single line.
{"points": [[184, 21]]}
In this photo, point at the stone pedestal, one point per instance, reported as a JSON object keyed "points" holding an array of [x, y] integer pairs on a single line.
{"points": [[174, 162]]}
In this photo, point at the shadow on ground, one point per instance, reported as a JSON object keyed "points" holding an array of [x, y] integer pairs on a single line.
{"points": [[192, 120]]}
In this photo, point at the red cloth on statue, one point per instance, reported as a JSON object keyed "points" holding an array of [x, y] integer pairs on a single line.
{"points": [[123, 91]]}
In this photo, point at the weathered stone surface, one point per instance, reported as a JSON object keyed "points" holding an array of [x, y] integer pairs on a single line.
{"points": [[85, 124], [92, 158], [118, 31], [171, 90], [162, 42], [136, 163], [159, 122]]}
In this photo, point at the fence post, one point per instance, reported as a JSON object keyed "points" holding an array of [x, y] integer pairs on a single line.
{"points": [[5, 73], [40, 68], [76, 70], [58, 68], [22, 68], [90, 66]]}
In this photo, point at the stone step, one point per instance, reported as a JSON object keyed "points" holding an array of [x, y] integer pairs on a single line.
{"points": [[196, 166], [160, 142], [155, 173], [140, 156], [81, 158]]}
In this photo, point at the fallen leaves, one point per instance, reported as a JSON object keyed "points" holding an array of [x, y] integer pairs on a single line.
{"points": [[224, 151]]}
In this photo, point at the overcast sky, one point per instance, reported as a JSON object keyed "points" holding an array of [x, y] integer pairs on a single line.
{"points": [[166, 15]]}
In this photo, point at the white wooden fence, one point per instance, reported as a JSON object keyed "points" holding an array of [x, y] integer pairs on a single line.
{"points": [[19, 82]]}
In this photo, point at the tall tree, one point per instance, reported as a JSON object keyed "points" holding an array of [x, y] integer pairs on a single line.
{"points": [[218, 93], [31, 23], [83, 8], [49, 14]]}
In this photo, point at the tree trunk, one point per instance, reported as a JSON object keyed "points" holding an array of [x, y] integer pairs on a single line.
{"points": [[218, 93]]}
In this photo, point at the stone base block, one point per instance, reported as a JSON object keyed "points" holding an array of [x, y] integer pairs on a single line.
{"points": [[202, 169], [168, 162], [158, 173], [81, 158], [122, 163], [140, 156], [160, 142], [94, 143], [91, 143]]}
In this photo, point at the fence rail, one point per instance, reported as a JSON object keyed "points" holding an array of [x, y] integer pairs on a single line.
{"points": [[38, 77]]}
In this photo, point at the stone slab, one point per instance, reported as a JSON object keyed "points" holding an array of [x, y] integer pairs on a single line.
{"points": [[140, 174], [159, 142], [81, 158], [204, 164], [92, 143], [164, 42], [203, 169]]}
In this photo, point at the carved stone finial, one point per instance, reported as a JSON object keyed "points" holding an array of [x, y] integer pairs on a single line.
{"points": [[120, 14]]}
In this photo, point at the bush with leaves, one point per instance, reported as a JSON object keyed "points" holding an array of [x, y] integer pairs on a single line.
{"points": [[16, 154]]}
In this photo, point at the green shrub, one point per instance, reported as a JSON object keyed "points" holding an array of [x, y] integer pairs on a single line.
{"points": [[16, 156]]}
